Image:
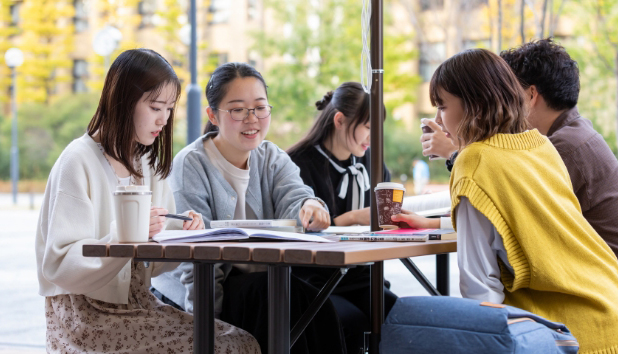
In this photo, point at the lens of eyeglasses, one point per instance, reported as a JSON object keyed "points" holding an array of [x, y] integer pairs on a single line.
{"points": [[241, 113], [262, 111]]}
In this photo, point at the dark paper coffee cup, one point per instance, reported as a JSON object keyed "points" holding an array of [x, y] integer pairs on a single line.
{"points": [[389, 197]]}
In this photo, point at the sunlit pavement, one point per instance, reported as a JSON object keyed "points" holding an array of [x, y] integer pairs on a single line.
{"points": [[22, 318]]}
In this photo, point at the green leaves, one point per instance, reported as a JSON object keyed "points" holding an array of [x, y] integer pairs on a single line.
{"points": [[318, 47], [44, 131]]}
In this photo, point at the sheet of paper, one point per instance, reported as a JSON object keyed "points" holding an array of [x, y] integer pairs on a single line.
{"points": [[435, 212], [426, 202], [285, 235], [347, 230]]}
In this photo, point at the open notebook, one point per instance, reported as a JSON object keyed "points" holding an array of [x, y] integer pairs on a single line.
{"points": [[232, 234], [433, 204]]}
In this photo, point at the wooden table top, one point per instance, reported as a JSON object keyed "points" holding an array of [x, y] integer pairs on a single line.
{"points": [[303, 253]]}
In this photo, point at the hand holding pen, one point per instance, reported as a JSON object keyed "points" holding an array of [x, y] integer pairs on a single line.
{"points": [[158, 216]]}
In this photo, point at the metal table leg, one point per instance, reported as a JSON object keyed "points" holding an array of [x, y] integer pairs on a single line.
{"points": [[377, 306], [316, 304], [420, 276], [278, 309], [204, 308], [442, 274]]}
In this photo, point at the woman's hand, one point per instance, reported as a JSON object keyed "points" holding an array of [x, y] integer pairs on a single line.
{"points": [[196, 224], [415, 221], [354, 217], [313, 216], [157, 220], [436, 143]]}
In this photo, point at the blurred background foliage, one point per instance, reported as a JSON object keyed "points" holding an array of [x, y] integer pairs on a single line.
{"points": [[314, 47]]}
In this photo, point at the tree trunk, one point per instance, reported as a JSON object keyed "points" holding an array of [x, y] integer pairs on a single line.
{"points": [[522, 31], [544, 13], [551, 18], [499, 26]]}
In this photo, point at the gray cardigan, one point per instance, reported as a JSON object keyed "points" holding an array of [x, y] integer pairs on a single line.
{"points": [[275, 191]]}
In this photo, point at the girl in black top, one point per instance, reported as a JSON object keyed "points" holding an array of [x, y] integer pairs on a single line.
{"points": [[334, 160]]}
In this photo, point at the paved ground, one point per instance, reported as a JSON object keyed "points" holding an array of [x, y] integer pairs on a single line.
{"points": [[22, 318]]}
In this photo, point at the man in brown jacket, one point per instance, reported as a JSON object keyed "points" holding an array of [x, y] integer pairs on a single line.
{"points": [[551, 81]]}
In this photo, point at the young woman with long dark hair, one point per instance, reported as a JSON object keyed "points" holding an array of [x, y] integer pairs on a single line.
{"points": [[104, 304], [334, 161]]}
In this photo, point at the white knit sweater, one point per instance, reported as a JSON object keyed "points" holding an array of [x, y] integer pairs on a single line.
{"points": [[78, 209]]}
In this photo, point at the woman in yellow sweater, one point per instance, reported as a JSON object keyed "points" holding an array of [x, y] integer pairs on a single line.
{"points": [[522, 239]]}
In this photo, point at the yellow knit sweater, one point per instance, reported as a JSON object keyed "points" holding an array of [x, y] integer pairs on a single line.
{"points": [[563, 270]]}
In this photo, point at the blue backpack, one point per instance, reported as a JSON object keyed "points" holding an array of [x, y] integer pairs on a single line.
{"points": [[442, 324]]}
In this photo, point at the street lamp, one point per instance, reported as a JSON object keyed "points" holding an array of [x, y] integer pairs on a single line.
{"points": [[14, 58], [106, 41], [194, 114]]}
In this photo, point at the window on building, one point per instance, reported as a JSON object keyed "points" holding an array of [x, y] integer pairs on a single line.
{"points": [[80, 21], [14, 11], [432, 5], [252, 58], [216, 59], [252, 11], [80, 75], [147, 9], [219, 11], [477, 3], [431, 56]]}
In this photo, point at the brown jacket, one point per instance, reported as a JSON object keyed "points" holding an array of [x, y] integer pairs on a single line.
{"points": [[593, 169]]}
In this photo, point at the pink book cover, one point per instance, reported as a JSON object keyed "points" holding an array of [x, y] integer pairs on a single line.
{"points": [[404, 231]]}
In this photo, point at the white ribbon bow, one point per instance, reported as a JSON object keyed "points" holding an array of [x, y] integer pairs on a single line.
{"points": [[360, 182]]}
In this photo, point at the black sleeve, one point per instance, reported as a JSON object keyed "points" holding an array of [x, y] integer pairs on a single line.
{"points": [[306, 167]]}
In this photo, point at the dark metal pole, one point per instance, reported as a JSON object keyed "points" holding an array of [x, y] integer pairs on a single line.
{"points": [[317, 304], [278, 309], [194, 114], [420, 276], [14, 147], [204, 308], [377, 173], [442, 274]]}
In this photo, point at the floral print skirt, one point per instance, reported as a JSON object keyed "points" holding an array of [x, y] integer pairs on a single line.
{"points": [[78, 324]]}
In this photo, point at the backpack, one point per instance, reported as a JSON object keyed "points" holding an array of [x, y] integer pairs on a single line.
{"points": [[442, 324]]}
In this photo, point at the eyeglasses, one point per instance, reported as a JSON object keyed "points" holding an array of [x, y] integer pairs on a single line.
{"points": [[239, 114]]}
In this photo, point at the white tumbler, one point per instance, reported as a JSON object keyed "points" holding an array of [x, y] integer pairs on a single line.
{"points": [[132, 213]]}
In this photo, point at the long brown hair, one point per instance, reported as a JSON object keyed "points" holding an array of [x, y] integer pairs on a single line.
{"points": [[132, 74], [492, 97]]}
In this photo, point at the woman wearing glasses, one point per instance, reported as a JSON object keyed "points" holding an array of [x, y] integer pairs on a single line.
{"points": [[231, 173]]}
